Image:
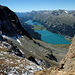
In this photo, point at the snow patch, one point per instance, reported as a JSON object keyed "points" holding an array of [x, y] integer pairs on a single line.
{"points": [[66, 11], [19, 41]]}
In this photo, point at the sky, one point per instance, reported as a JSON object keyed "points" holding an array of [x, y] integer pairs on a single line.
{"points": [[30, 5]]}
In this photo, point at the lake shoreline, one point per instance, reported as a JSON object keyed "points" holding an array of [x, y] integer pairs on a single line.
{"points": [[49, 37]]}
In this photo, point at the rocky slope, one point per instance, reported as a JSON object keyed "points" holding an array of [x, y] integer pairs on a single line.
{"points": [[14, 39], [10, 64], [68, 62], [67, 65]]}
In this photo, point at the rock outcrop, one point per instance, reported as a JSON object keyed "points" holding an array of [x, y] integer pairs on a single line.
{"points": [[68, 62]]}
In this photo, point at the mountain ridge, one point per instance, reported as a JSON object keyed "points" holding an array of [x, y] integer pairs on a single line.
{"points": [[8, 17], [57, 21]]}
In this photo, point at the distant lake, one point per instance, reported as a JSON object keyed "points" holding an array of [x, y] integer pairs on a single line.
{"points": [[48, 36], [30, 22], [52, 38]]}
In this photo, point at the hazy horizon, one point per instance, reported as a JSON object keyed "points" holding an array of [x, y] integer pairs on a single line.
{"points": [[37, 5]]}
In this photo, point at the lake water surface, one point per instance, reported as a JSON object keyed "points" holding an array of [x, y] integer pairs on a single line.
{"points": [[52, 38], [48, 36], [30, 22]]}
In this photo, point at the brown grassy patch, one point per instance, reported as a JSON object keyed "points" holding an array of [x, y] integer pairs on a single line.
{"points": [[62, 45]]}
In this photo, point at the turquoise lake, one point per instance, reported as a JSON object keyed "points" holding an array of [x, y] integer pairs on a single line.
{"points": [[50, 37], [30, 22]]}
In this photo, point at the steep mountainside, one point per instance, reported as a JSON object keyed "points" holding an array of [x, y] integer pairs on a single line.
{"points": [[9, 23], [29, 29], [57, 21], [67, 65]]}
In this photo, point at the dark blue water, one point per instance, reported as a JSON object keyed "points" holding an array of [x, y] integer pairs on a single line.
{"points": [[49, 37]]}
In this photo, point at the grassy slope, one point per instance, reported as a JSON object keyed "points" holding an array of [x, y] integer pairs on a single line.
{"points": [[40, 49], [38, 27]]}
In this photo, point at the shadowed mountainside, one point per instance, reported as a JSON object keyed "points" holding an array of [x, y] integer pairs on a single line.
{"points": [[9, 23]]}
